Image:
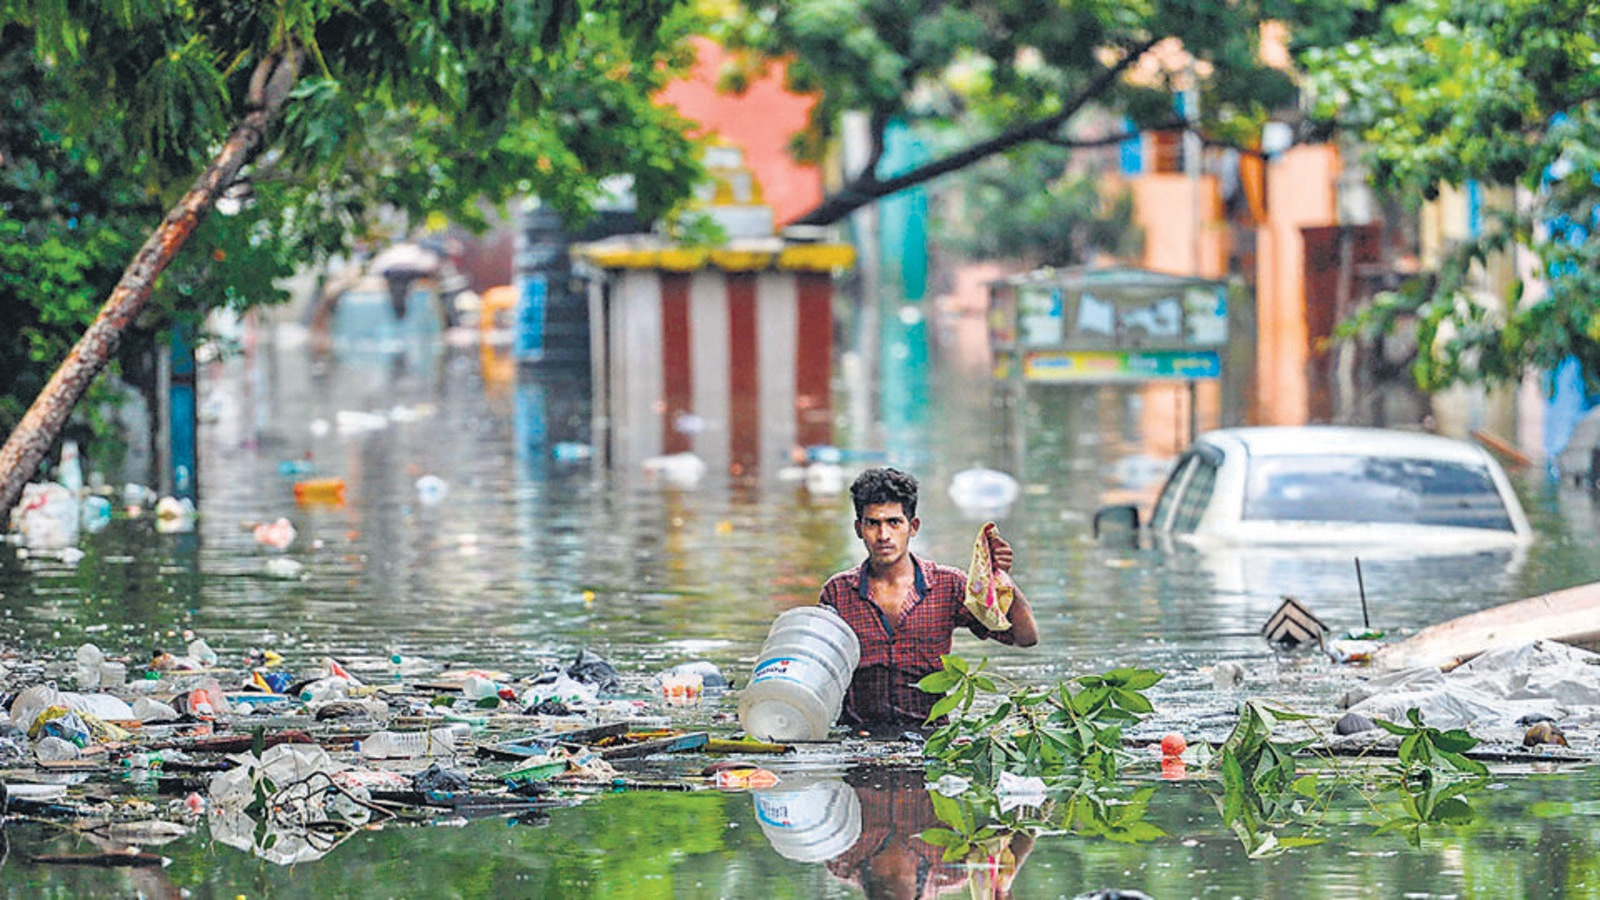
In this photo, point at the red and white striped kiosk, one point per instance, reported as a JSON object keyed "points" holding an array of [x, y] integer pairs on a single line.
{"points": [[725, 353]]}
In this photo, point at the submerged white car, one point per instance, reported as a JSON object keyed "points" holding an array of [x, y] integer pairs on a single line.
{"points": [[1376, 489]]}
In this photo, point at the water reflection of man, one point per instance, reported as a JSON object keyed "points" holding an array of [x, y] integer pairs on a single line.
{"points": [[905, 610], [889, 860]]}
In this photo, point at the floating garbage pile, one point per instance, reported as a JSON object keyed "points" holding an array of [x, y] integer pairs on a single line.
{"points": [[287, 761]]}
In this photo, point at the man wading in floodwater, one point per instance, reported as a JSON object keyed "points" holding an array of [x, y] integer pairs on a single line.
{"points": [[905, 610]]}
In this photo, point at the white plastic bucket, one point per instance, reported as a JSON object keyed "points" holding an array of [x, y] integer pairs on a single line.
{"points": [[800, 677]]}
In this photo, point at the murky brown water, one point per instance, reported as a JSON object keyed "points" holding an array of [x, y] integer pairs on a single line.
{"points": [[529, 558]]}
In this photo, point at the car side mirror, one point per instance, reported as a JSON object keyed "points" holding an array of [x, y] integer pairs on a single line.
{"points": [[1120, 522]]}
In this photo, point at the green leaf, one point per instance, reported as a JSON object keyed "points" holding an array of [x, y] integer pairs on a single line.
{"points": [[1455, 740], [1086, 700], [1409, 751], [1465, 764], [1133, 702], [944, 706], [939, 682], [1139, 832], [1392, 728], [952, 661], [1135, 679]]}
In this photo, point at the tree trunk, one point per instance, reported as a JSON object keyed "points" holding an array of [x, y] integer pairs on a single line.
{"points": [[865, 187], [28, 445]]}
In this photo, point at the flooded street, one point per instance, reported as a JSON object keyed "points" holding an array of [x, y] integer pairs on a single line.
{"points": [[531, 551]]}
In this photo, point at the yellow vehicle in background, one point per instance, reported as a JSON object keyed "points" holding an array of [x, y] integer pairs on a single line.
{"points": [[497, 310]]}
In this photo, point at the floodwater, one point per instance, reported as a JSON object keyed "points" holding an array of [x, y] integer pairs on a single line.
{"points": [[531, 555]]}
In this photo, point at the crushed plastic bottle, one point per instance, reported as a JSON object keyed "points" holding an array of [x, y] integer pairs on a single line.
{"points": [[324, 689]]}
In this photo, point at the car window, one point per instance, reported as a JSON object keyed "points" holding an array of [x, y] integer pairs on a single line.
{"points": [[1365, 489], [1184, 497], [1167, 501], [1196, 495]]}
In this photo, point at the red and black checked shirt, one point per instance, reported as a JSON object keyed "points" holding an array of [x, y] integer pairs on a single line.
{"points": [[896, 655]]}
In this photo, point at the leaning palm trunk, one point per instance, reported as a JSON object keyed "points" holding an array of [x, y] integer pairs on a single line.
{"points": [[30, 442]]}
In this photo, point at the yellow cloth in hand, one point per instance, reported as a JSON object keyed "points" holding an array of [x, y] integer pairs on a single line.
{"points": [[988, 591]]}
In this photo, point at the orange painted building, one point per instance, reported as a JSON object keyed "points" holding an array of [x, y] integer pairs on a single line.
{"points": [[758, 122]]}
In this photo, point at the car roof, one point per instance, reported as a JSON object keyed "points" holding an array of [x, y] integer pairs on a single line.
{"points": [[1323, 440]]}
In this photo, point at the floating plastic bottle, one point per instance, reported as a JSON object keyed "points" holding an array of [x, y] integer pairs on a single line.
{"points": [[89, 659], [94, 514], [409, 744], [70, 473], [800, 678]]}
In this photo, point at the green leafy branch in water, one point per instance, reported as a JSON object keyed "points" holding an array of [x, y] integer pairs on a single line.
{"points": [[1264, 791], [1076, 727], [1431, 775], [1076, 724], [263, 790], [1262, 788]]}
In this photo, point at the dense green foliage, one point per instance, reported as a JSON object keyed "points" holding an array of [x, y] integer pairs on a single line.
{"points": [[1447, 92], [403, 115], [1000, 74], [1073, 726]]}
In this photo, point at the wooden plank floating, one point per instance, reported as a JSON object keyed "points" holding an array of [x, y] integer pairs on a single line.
{"points": [[677, 743], [539, 744], [1571, 616]]}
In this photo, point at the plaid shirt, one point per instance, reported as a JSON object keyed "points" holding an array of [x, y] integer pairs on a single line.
{"points": [[896, 655]]}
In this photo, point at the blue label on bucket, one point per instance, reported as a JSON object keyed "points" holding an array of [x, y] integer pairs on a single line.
{"points": [[782, 668]]}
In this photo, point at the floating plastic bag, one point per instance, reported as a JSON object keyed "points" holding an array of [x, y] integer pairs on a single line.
{"points": [[988, 590], [60, 722], [299, 780], [559, 687], [36, 699], [79, 727], [438, 779], [592, 669], [281, 764], [47, 516]]}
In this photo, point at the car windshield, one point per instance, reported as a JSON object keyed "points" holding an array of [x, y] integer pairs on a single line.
{"points": [[1367, 489]]}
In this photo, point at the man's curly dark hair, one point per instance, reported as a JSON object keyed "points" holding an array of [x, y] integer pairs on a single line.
{"points": [[884, 485]]}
